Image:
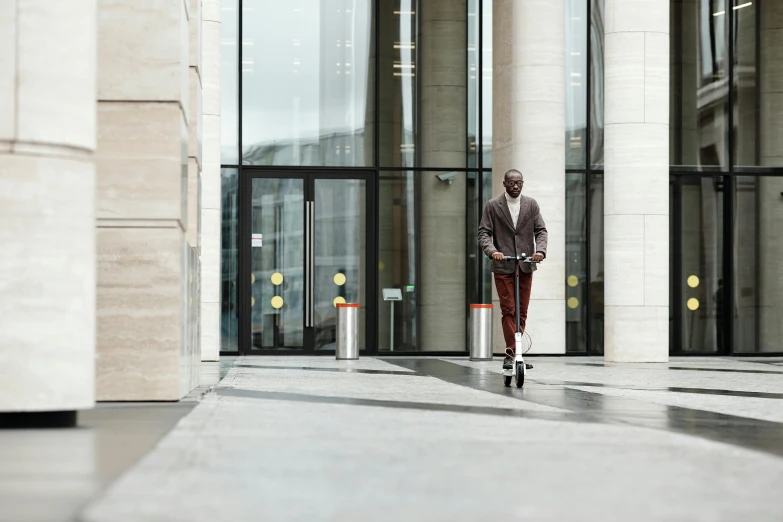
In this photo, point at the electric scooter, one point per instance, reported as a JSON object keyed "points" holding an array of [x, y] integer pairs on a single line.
{"points": [[519, 367]]}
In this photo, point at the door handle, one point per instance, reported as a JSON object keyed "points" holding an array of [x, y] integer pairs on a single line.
{"points": [[308, 275], [311, 262]]}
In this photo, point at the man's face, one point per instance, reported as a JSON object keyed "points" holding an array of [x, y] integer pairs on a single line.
{"points": [[513, 184]]}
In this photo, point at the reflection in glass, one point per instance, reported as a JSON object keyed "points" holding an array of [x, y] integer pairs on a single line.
{"points": [[340, 246], [597, 83], [229, 327], [697, 255], [576, 263], [278, 210], [699, 79], [423, 88], [398, 260], [576, 83], [473, 82], [486, 83], [758, 85], [307, 83], [758, 288], [596, 289], [423, 252], [229, 81]]}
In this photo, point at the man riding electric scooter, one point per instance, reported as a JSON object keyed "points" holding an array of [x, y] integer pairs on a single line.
{"points": [[511, 225]]}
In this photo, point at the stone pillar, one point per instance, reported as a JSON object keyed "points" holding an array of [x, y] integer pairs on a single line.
{"points": [[210, 183], [636, 208], [142, 161], [47, 206], [528, 130], [770, 203], [443, 142]]}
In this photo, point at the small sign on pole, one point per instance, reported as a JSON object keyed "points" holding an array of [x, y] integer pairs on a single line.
{"points": [[256, 241]]}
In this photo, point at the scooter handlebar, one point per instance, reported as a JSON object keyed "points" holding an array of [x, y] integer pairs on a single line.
{"points": [[523, 258]]}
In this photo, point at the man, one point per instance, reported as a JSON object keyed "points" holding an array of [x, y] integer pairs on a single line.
{"points": [[511, 225]]}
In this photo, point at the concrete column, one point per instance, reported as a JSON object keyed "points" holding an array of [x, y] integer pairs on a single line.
{"points": [[210, 183], [193, 231], [529, 135], [636, 209], [770, 205], [47, 205], [443, 138], [144, 259]]}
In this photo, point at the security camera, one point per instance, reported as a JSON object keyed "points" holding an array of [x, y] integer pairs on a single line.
{"points": [[447, 177]]}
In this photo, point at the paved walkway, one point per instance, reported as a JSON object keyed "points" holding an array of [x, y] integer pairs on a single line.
{"points": [[311, 439]]}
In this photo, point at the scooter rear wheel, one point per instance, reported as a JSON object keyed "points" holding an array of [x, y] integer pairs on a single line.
{"points": [[507, 380], [520, 375]]}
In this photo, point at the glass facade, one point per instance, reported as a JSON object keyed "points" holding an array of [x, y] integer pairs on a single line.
{"points": [[726, 183], [400, 92]]}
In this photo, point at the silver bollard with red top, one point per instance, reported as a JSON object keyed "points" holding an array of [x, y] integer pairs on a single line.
{"points": [[347, 331], [480, 332]]}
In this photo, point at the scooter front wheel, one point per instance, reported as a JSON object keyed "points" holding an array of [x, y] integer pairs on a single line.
{"points": [[507, 380], [520, 375]]}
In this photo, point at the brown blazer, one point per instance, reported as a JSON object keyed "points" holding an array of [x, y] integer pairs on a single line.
{"points": [[496, 232]]}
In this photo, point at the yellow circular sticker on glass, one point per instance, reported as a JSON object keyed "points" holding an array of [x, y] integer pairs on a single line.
{"points": [[381, 265], [277, 279], [693, 304], [693, 281], [252, 278], [572, 280], [252, 301], [339, 300], [277, 302], [340, 279], [573, 302]]}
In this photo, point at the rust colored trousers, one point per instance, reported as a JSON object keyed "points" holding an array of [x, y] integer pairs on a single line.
{"points": [[505, 287]]}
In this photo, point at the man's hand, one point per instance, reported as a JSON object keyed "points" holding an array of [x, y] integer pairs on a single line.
{"points": [[538, 257], [498, 256]]}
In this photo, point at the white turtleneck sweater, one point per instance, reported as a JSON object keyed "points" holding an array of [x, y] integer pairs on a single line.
{"points": [[513, 207]]}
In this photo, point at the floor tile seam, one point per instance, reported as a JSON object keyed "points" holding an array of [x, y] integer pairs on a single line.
{"points": [[220, 393], [688, 390], [707, 411], [491, 411]]}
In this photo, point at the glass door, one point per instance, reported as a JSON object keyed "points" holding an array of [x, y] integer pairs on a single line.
{"points": [[309, 246]]}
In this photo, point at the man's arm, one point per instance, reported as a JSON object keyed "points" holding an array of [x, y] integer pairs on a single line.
{"points": [[486, 232], [539, 229]]}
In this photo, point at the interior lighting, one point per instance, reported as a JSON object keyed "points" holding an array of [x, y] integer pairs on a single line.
{"points": [[748, 4], [719, 13]]}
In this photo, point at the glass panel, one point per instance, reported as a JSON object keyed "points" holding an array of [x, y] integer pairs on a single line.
{"points": [[422, 237], [576, 263], [229, 82], [576, 83], [473, 82], [423, 83], [340, 242], [229, 327], [698, 250], [308, 82], [486, 83], [277, 263], [699, 83], [596, 237], [746, 76], [398, 260], [597, 84], [759, 271], [758, 110]]}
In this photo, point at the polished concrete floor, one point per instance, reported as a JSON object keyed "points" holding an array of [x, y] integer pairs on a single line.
{"points": [[435, 439]]}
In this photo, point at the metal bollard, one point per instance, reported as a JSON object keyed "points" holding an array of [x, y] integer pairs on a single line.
{"points": [[480, 332], [347, 331]]}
